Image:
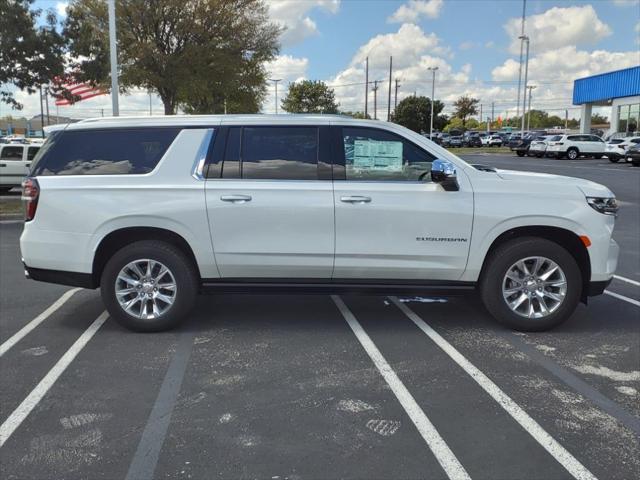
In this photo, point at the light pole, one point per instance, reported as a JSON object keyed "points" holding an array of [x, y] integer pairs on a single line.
{"points": [[526, 73], [114, 58], [524, 10], [530, 87], [275, 81], [433, 92]]}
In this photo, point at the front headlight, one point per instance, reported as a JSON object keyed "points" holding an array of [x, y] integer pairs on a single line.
{"points": [[605, 205]]}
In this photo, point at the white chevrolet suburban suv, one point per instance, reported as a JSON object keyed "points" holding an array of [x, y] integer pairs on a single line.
{"points": [[154, 210]]}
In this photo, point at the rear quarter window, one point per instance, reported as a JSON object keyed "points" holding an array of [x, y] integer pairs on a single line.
{"points": [[104, 152]]}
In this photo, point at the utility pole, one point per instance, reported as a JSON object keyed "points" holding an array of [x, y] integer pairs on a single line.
{"points": [[480, 114], [566, 119], [395, 102], [526, 73], [433, 93], [275, 81], [150, 106], [389, 97], [493, 108], [225, 106], [366, 88], [530, 88], [46, 102], [375, 99], [521, 37], [114, 58], [41, 115]]}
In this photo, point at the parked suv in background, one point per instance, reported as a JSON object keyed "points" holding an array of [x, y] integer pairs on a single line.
{"points": [[573, 146], [154, 209], [616, 149], [15, 159]]}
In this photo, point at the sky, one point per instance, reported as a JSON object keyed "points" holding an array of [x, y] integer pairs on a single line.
{"points": [[474, 44]]}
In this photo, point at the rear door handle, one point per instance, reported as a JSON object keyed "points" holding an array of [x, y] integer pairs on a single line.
{"points": [[355, 199], [236, 198], [3, 164]]}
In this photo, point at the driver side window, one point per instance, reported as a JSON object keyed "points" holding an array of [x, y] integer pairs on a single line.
{"points": [[377, 155]]}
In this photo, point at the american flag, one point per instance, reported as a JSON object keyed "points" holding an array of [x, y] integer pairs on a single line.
{"points": [[79, 92]]}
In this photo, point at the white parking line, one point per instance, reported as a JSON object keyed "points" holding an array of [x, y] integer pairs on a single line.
{"points": [[28, 404], [622, 297], [440, 449], [627, 280], [24, 331], [557, 451]]}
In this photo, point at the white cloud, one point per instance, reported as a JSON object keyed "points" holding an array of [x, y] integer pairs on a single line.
{"points": [[626, 3], [414, 9], [466, 45], [287, 68], [61, 8], [414, 51], [559, 26], [294, 16]]}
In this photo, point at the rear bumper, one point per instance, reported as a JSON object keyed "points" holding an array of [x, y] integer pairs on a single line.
{"points": [[597, 288], [73, 279]]}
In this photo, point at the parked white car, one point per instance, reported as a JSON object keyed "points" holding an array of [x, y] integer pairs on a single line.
{"points": [[616, 149], [154, 209], [538, 146], [574, 146], [15, 159]]}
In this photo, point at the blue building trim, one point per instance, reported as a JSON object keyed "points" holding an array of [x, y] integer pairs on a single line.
{"points": [[607, 86]]}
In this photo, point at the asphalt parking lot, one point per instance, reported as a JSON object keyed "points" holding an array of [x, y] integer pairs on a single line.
{"points": [[301, 387]]}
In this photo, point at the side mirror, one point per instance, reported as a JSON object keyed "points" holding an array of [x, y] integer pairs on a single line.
{"points": [[444, 173]]}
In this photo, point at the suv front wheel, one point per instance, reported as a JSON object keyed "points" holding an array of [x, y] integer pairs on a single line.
{"points": [[149, 286], [531, 284]]}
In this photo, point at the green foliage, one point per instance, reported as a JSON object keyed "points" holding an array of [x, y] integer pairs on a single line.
{"points": [[30, 55], [597, 119], [414, 113], [465, 107], [358, 115], [193, 54], [310, 96]]}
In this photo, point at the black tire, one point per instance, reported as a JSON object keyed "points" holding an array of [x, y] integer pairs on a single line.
{"points": [[520, 153], [180, 266], [614, 159], [539, 155], [506, 255], [573, 153], [635, 163]]}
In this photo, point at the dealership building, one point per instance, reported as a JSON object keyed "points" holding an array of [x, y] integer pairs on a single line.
{"points": [[619, 90]]}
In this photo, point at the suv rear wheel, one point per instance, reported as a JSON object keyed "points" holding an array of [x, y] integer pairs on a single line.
{"points": [[149, 286], [531, 284], [572, 153]]}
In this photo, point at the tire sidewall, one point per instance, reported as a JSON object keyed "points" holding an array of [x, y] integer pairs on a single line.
{"points": [[572, 151], [174, 260], [504, 257]]}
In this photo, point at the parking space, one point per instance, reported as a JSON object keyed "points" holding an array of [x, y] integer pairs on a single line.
{"points": [[291, 386]]}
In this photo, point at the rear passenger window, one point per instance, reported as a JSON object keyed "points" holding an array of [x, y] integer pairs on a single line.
{"points": [[11, 153], [282, 153], [105, 152], [32, 152], [378, 155]]}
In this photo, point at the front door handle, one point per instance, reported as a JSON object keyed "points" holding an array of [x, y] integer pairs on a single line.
{"points": [[355, 199], [236, 198], [3, 164]]}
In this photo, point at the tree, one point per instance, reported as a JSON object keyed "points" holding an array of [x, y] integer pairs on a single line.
{"points": [[195, 54], [597, 119], [30, 55], [358, 115], [465, 107], [415, 114], [310, 96]]}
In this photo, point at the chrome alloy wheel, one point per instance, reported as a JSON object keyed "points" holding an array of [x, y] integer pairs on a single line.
{"points": [[145, 288], [534, 287]]}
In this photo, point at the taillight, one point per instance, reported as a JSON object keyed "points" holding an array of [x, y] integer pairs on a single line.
{"points": [[30, 194]]}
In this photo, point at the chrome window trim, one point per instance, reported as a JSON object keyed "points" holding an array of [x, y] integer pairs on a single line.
{"points": [[201, 156]]}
